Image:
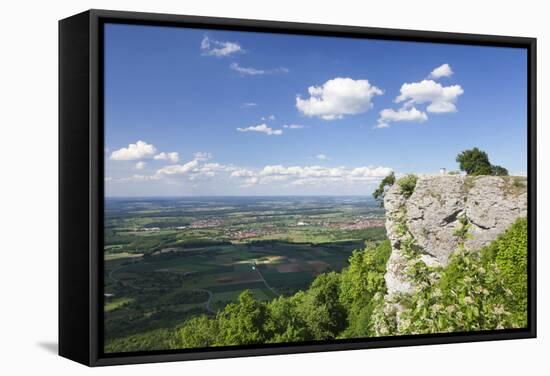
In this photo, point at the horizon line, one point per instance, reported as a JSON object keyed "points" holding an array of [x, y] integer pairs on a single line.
{"points": [[221, 196]]}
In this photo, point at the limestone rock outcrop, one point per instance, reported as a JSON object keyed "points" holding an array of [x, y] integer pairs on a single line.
{"points": [[431, 215]]}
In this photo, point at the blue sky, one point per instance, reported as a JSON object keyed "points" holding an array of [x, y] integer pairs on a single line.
{"points": [[209, 112]]}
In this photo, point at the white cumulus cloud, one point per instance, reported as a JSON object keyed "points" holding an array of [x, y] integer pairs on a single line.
{"points": [[210, 169], [441, 98], [293, 126], [242, 173], [178, 169], [211, 47], [371, 172], [173, 157], [320, 175], [262, 128], [338, 97], [274, 177], [321, 157], [390, 115], [139, 150], [442, 71], [325, 172]]}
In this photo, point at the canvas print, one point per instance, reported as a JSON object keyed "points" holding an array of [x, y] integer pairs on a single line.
{"points": [[265, 188]]}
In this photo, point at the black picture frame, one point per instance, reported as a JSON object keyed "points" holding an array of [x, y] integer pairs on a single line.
{"points": [[81, 184]]}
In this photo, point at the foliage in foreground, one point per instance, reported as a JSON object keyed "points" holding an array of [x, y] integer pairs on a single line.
{"points": [[477, 290]]}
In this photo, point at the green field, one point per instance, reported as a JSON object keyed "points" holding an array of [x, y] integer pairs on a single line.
{"points": [[169, 260]]}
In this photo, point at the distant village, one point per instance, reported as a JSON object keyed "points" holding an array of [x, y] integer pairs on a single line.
{"points": [[239, 233]]}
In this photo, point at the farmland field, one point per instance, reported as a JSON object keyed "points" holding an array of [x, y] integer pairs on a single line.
{"points": [[167, 260]]}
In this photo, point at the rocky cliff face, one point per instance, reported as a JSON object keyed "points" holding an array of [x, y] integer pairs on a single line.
{"points": [[431, 215]]}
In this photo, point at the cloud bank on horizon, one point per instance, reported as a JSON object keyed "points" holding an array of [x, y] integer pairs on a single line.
{"points": [[201, 168]]}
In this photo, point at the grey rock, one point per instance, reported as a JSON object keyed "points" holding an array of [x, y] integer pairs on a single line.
{"points": [[490, 203]]}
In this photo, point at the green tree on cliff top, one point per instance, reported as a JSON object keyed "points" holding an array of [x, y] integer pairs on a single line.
{"points": [[476, 162]]}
